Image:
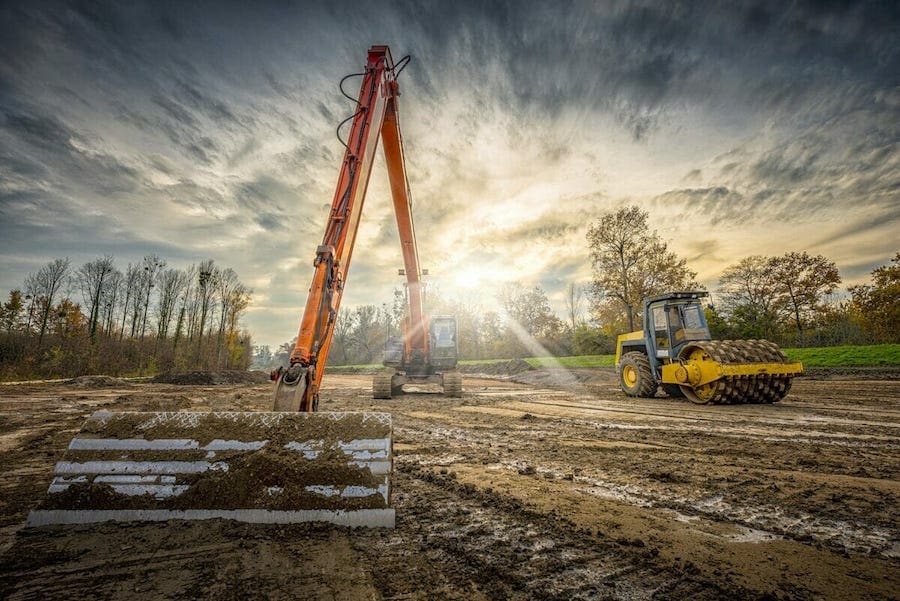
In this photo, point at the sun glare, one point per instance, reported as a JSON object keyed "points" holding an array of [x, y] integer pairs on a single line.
{"points": [[469, 278]]}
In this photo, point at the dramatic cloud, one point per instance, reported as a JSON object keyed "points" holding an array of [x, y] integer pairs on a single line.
{"points": [[206, 130]]}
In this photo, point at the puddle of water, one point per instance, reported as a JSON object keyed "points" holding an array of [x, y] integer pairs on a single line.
{"points": [[441, 460], [752, 535]]}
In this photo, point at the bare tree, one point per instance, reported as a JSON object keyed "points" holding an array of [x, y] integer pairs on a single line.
{"points": [[574, 298], [630, 262], [226, 283], [344, 326], [206, 285], [91, 279], [31, 296], [131, 298], [170, 284], [184, 304], [152, 266], [367, 336], [110, 298], [45, 284]]}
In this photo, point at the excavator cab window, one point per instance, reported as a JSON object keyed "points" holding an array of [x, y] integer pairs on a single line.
{"points": [[443, 333], [444, 337]]}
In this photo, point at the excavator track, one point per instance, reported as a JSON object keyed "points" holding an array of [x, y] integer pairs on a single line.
{"points": [[381, 385], [452, 383], [759, 387]]}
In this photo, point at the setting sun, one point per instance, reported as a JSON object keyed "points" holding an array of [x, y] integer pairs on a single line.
{"points": [[470, 278]]}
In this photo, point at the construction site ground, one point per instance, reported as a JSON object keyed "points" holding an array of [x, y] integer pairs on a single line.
{"points": [[546, 484]]}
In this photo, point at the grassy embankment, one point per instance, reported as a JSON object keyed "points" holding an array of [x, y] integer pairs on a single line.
{"points": [[878, 355]]}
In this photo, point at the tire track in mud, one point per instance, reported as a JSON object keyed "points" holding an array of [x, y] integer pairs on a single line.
{"points": [[98, 578], [212, 559], [512, 448], [490, 546], [735, 422]]}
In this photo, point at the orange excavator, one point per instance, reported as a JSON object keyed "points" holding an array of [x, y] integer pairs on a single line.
{"points": [[291, 464], [428, 350]]}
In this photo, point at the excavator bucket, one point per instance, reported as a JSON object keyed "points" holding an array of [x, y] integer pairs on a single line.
{"points": [[262, 467]]}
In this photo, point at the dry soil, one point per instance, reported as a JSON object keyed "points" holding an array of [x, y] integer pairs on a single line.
{"points": [[554, 487]]}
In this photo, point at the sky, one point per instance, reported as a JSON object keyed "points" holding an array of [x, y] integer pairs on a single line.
{"points": [[199, 130]]}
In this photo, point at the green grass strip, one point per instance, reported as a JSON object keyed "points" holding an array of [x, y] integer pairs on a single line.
{"points": [[574, 361], [876, 355]]}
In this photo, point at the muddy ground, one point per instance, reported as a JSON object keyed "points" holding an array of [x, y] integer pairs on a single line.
{"points": [[554, 487]]}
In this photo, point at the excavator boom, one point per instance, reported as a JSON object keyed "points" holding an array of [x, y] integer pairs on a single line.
{"points": [[376, 117]]}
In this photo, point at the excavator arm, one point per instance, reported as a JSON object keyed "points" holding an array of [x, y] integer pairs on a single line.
{"points": [[416, 327], [297, 387]]}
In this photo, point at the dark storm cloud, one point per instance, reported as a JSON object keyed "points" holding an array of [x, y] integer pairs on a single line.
{"points": [[212, 107], [209, 125], [720, 203], [40, 143], [843, 157], [861, 270], [700, 249]]}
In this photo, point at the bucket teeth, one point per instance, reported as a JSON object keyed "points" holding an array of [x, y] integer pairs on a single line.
{"points": [[258, 467]]}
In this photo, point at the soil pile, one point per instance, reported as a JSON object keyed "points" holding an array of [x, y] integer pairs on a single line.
{"points": [[98, 382], [500, 368], [212, 378]]}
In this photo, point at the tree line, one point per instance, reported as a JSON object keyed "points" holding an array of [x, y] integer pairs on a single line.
{"points": [[790, 299], [525, 325], [95, 318]]}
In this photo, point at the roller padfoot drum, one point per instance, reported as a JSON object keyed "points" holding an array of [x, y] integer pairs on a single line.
{"points": [[734, 371], [262, 467]]}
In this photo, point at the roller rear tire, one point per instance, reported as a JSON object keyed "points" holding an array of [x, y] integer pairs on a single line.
{"points": [[635, 376]]}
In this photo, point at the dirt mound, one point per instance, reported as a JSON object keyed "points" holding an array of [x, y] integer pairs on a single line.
{"points": [[500, 368], [98, 382], [354, 369], [212, 378], [566, 378], [883, 372]]}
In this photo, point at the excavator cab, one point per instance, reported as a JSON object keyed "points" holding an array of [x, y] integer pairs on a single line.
{"points": [[444, 347], [432, 361]]}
